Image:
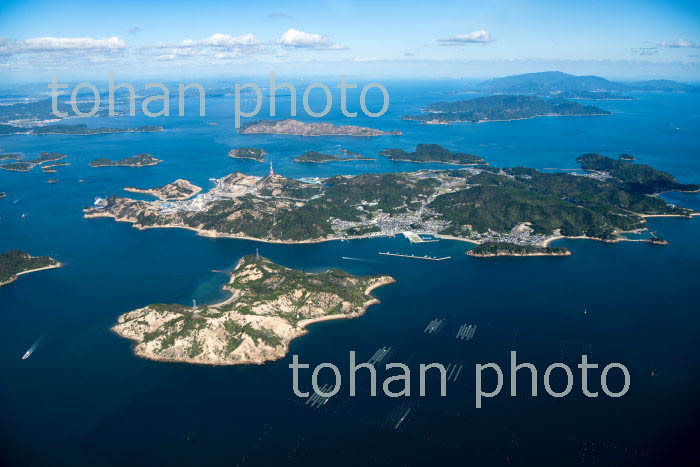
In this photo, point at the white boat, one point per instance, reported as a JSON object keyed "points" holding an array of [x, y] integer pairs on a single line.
{"points": [[27, 354]]}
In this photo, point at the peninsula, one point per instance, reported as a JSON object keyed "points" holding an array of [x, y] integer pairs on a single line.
{"points": [[433, 153], [248, 153], [139, 160], [319, 158], [14, 263], [502, 108], [176, 191], [296, 127], [270, 305], [480, 204]]}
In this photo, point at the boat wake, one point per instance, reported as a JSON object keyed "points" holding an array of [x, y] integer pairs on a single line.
{"points": [[358, 259], [31, 350]]}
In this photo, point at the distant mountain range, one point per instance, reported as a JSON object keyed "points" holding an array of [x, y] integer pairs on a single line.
{"points": [[551, 83]]}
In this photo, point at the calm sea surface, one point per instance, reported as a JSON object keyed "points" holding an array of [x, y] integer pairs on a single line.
{"points": [[83, 398]]}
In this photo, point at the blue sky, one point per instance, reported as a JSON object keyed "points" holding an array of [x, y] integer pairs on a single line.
{"points": [[431, 39]]}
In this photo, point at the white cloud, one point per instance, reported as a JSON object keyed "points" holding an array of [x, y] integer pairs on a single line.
{"points": [[680, 43], [135, 29], [227, 55], [223, 41], [61, 44], [278, 14], [645, 51], [475, 37], [301, 39]]}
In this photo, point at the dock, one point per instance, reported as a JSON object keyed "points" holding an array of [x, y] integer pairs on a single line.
{"points": [[415, 238], [434, 326], [466, 332], [431, 258]]}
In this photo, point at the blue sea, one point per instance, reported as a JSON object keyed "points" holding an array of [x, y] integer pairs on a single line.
{"points": [[84, 399]]}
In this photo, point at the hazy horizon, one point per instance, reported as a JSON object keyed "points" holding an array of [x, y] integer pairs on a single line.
{"points": [[449, 39]]}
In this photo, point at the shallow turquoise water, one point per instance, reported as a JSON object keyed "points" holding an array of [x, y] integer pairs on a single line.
{"points": [[84, 399]]}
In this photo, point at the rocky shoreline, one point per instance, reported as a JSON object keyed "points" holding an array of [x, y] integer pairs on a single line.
{"points": [[270, 306], [295, 127]]}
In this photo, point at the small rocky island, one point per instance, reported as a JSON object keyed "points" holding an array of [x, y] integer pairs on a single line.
{"points": [[139, 160], [14, 263], [248, 153], [626, 157], [270, 306], [29, 164], [492, 249], [319, 158], [176, 191], [433, 153], [502, 108], [296, 127], [51, 168]]}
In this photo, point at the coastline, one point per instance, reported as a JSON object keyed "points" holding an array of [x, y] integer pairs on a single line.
{"points": [[214, 234], [470, 164], [449, 122], [340, 159], [280, 352], [469, 253], [28, 271]]}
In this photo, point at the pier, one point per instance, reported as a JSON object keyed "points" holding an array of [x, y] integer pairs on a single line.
{"points": [[431, 258], [434, 326], [453, 370], [317, 400], [415, 238], [380, 355], [466, 332], [397, 416]]}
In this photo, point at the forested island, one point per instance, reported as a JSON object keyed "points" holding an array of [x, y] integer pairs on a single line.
{"points": [[51, 168], [477, 204], [491, 249], [14, 263], [295, 127], [78, 130], [248, 153], [270, 305], [319, 158], [501, 108], [433, 153], [9, 157], [639, 177], [29, 164], [139, 160], [592, 95]]}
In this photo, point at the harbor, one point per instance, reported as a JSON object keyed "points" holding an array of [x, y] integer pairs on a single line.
{"points": [[400, 255]]}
